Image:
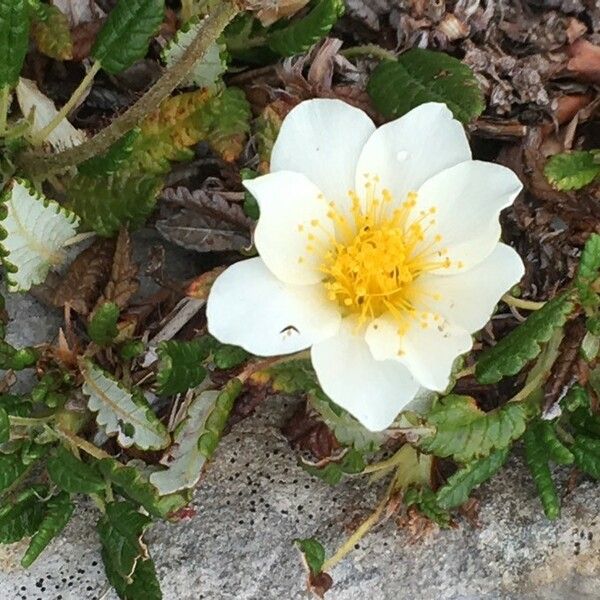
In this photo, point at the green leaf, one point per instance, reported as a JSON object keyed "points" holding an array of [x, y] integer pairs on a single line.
{"points": [[15, 405], [121, 411], [58, 511], [180, 367], [217, 419], [184, 459], [102, 327], [313, 553], [33, 232], [555, 449], [458, 488], [537, 461], [14, 40], [522, 344], [420, 76], [72, 475], [227, 356], [425, 500], [22, 516], [4, 426], [11, 468], [121, 529], [586, 451], [588, 272], [351, 463], [108, 203], [127, 32], [465, 432], [114, 158], [584, 421], [572, 170], [207, 71], [51, 31], [134, 485], [144, 583], [301, 35]]}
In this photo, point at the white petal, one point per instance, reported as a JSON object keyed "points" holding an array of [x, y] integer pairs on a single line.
{"points": [[372, 391], [251, 308], [468, 299], [427, 351], [291, 209], [468, 199], [408, 151], [323, 139]]}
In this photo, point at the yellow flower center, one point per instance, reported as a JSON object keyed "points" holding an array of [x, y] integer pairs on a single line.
{"points": [[372, 265]]}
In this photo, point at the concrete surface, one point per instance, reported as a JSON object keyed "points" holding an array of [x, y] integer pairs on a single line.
{"points": [[255, 500]]}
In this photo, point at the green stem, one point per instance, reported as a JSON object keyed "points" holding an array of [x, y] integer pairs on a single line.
{"points": [[82, 444], [29, 421], [4, 102], [372, 50], [39, 137], [39, 165], [519, 303]]}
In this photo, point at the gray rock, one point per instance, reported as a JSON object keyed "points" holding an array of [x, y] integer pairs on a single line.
{"points": [[254, 500]]}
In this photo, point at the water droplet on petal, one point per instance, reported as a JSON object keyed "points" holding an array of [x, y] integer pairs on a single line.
{"points": [[402, 155]]}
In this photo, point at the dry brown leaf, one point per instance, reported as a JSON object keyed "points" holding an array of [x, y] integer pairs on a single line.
{"points": [[86, 277], [585, 61], [123, 283], [200, 287], [270, 11]]}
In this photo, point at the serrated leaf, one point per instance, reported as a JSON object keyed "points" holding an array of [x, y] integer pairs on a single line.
{"points": [[121, 529], [425, 500], [586, 451], [184, 459], [127, 32], [72, 475], [40, 110], [58, 511], [207, 71], [14, 40], [267, 127], [588, 272], [420, 76], [458, 488], [4, 426], [313, 554], [11, 468], [301, 35], [108, 203], [113, 159], [34, 230], [180, 367], [144, 583], [522, 344], [102, 327], [51, 30], [555, 449], [572, 170], [22, 516], [351, 463], [465, 432], [217, 419], [227, 356], [122, 412], [537, 461], [134, 485]]}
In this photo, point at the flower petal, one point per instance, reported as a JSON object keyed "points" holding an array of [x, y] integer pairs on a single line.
{"points": [[372, 391], [291, 209], [323, 139], [468, 299], [251, 308], [468, 199], [428, 348], [405, 153]]}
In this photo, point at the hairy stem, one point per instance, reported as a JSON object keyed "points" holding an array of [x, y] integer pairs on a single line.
{"points": [[39, 137], [82, 444], [4, 101], [372, 50], [39, 165]]}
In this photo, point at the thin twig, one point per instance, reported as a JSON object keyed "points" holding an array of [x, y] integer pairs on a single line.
{"points": [[520, 303]]}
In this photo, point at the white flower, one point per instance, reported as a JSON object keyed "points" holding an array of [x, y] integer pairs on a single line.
{"points": [[379, 250]]}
